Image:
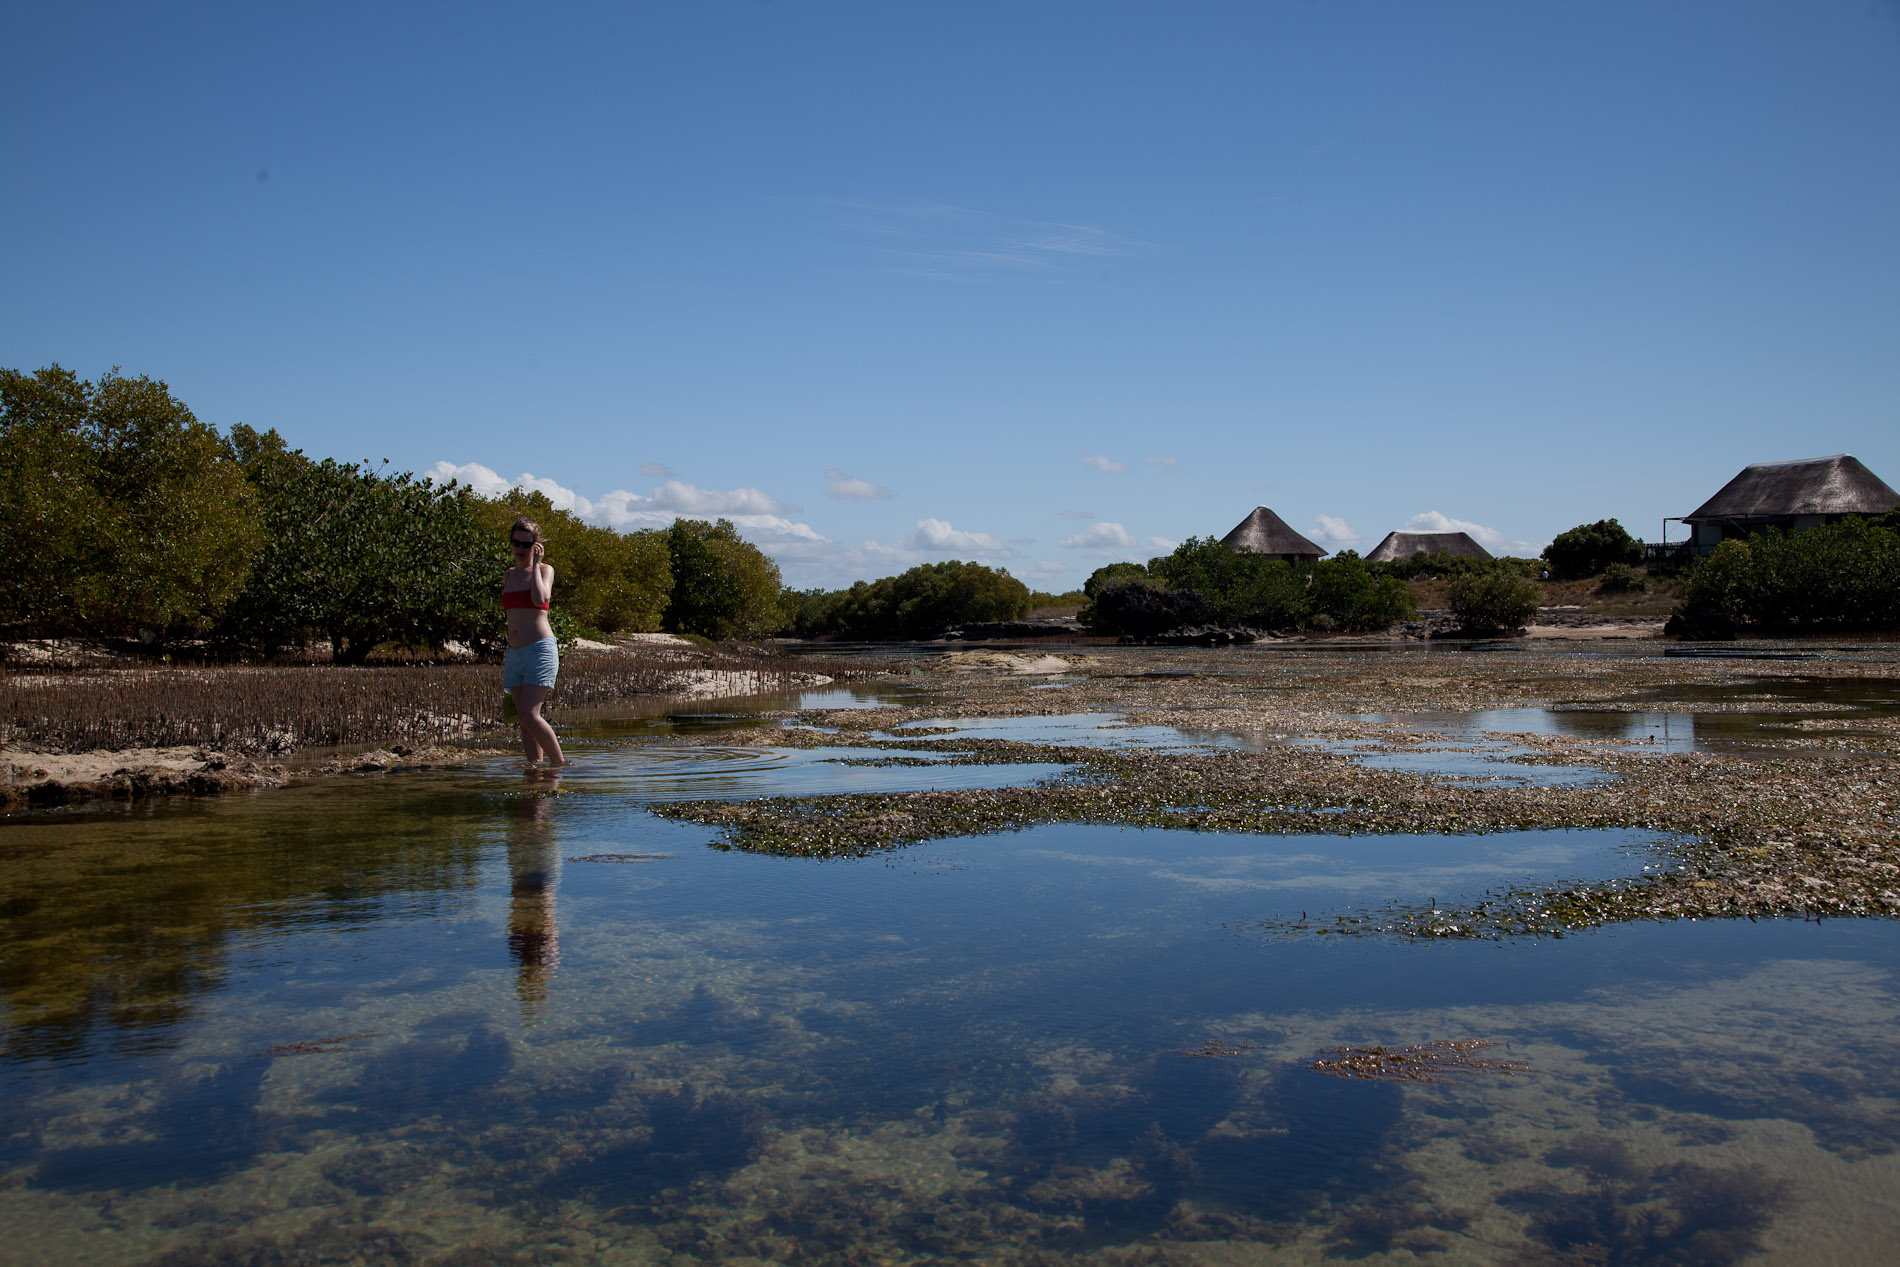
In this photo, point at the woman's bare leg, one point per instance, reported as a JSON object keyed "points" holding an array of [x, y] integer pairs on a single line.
{"points": [[537, 737]]}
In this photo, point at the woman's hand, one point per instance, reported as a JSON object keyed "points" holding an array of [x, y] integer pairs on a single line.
{"points": [[535, 555]]}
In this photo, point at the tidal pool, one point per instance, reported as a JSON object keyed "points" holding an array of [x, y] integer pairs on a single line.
{"points": [[474, 1016]]}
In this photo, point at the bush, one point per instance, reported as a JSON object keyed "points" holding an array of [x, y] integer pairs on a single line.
{"points": [[1414, 567], [723, 586], [920, 603], [1843, 574], [1350, 595], [1621, 578], [1232, 587], [1493, 601], [121, 512], [1142, 609], [361, 558], [1588, 549]]}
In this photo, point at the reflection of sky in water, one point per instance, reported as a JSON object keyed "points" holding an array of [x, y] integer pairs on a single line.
{"points": [[1488, 764], [401, 1016], [660, 772], [1310, 871], [1834, 709], [1090, 730]]}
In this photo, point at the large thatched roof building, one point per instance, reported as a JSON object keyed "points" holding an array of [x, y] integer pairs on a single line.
{"points": [[1792, 495], [1403, 545], [1264, 532]]}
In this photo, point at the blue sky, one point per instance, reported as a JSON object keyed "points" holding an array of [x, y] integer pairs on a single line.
{"points": [[1040, 284]]}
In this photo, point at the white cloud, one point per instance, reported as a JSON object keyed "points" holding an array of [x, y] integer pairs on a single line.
{"points": [[846, 488], [1101, 536], [1490, 538], [753, 512], [1162, 545], [657, 470], [936, 534], [1335, 534], [1101, 463], [1164, 463], [474, 474], [688, 500]]}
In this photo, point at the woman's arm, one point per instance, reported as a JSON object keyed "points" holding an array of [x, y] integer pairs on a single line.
{"points": [[540, 580]]}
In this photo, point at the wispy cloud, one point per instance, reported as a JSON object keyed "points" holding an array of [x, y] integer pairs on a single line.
{"points": [[1163, 463], [674, 499], [1161, 545], [1078, 514], [1098, 462], [847, 488], [1335, 533], [657, 470], [1107, 535], [947, 241]]}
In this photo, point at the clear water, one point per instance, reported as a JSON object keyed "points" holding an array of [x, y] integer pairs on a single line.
{"points": [[1790, 713], [1087, 730], [470, 1016]]}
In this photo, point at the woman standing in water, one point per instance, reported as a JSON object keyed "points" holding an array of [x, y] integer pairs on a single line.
{"points": [[532, 662]]}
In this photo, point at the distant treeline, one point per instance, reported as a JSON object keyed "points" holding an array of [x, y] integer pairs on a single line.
{"points": [[920, 603], [127, 517]]}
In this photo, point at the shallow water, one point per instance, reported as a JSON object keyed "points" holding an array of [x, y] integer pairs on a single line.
{"points": [[1087, 730], [523, 1020]]}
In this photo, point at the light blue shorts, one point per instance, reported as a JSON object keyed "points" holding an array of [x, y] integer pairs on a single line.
{"points": [[536, 664]]}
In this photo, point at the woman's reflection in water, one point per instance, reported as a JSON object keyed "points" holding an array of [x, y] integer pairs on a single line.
{"points": [[534, 941]]}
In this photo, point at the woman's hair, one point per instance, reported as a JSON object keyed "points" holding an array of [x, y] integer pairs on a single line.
{"points": [[526, 525]]}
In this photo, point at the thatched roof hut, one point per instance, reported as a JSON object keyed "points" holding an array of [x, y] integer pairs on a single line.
{"points": [[1792, 495], [1264, 532], [1403, 545]]}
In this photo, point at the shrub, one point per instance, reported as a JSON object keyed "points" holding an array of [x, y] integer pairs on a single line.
{"points": [[1587, 549], [360, 558], [723, 586], [1841, 574], [1142, 609], [1621, 578], [1349, 594], [1415, 566], [920, 603], [1492, 601], [121, 512]]}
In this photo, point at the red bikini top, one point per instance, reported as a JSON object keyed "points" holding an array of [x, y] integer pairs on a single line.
{"points": [[520, 598]]}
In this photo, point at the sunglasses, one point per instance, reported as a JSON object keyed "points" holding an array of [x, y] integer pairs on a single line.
{"points": [[519, 544]]}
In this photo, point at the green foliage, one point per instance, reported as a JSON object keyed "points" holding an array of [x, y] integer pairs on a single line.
{"points": [[361, 558], [1101, 577], [920, 603], [122, 511], [1843, 574], [1417, 566], [1352, 596], [1492, 601], [609, 581], [723, 587], [1587, 549], [1621, 578], [1234, 587], [1141, 608], [1042, 598]]}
